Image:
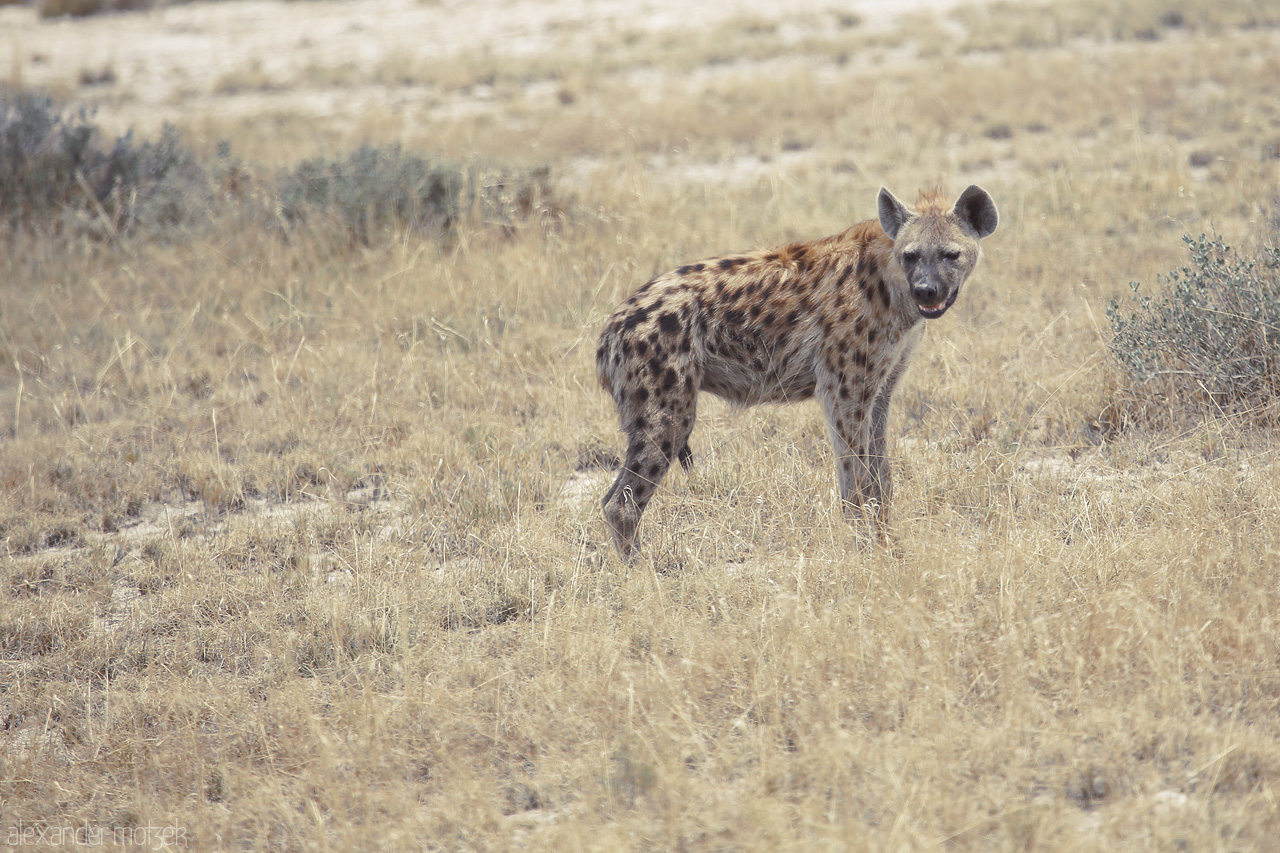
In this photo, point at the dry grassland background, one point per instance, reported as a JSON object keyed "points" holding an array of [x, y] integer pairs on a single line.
{"points": [[299, 521]]}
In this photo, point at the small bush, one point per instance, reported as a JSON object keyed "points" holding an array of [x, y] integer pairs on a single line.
{"points": [[56, 176], [51, 165], [379, 189], [372, 189], [1210, 336], [85, 8]]}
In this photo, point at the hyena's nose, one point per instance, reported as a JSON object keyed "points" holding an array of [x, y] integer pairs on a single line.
{"points": [[928, 293]]}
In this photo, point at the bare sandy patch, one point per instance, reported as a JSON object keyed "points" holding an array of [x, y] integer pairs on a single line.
{"points": [[145, 68]]}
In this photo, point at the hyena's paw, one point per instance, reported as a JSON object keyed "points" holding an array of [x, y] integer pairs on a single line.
{"points": [[622, 516], [869, 524]]}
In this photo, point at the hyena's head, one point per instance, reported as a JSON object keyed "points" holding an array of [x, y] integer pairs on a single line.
{"points": [[937, 245]]}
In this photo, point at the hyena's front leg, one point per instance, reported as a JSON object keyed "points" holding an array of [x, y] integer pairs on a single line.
{"points": [[877, 452], [658, 429], [881, 481], [861, 493]]}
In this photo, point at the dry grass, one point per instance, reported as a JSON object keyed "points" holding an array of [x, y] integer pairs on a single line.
{"points": [[301, 540]]}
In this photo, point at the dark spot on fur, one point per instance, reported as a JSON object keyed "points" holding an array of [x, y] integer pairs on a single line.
{"points": [[642, 394], [635, 318], [794, 317], [669, 323], [640, 423], [690, 268], [768, 320], [688, 386], [669, 379], [883, 290], [730, 264], [872, 334], [844, 276], [666, 447], [642, 347], [734, 317], [868, 267]]}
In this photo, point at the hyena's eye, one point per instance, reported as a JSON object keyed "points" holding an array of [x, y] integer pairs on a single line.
{"points": [[951, 254], [910, 256]]}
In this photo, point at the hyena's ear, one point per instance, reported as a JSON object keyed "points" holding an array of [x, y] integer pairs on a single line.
{"points": [[893, 213], [977, 211]]}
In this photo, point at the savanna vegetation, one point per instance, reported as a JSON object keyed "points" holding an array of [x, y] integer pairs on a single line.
{"points": [[301, 452]]}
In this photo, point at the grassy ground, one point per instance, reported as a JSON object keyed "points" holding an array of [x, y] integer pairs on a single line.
{"points": [[301, 544]]}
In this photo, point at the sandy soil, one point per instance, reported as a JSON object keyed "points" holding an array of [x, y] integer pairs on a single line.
{"points": [[151, 67]]}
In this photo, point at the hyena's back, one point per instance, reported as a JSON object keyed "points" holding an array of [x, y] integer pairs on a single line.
{"points": [[746, 327]]}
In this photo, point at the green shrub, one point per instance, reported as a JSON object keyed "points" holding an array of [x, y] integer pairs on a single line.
{"points": [[1209, 336], [56, 176], [85, 8], [52, 168], [372, 189], [388, 189]]}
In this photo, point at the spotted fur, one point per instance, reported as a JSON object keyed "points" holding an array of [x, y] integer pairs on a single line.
{"points": [[836, 319]]}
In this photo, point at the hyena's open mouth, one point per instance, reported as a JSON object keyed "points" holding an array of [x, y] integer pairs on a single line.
{"points": [[933, 312]]}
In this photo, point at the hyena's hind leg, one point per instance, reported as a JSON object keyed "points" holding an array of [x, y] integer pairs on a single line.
{"points": [[685, 455], [658, 430]]}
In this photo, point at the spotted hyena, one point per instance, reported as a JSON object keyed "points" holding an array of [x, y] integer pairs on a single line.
{"points": [[836, 318]]}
